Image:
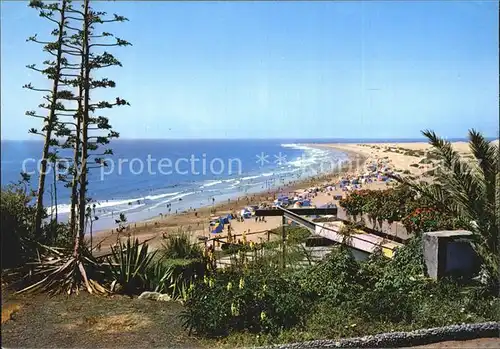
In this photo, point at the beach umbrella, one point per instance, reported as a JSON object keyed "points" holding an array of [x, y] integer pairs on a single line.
{"points": [[217, 228]]}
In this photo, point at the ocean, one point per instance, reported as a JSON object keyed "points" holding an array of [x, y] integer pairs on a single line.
{"points": [[146, 178]]}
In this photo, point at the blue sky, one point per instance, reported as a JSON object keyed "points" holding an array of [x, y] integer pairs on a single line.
{"points": [[380, 69]]}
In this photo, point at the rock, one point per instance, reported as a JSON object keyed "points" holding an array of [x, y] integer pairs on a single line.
{"points": [[398, 339], [164, 298], [152, 296], [155, 296]]}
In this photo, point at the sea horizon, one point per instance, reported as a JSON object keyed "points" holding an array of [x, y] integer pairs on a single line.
{"points": [[295, 140], [201, 173]]}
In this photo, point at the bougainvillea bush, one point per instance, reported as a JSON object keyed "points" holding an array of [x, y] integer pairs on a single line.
{"points": [[423, 220], [390, 204], [354, 202], [399, 204]]}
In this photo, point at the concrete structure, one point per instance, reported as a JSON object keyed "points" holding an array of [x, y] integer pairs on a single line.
{"points": [[359, 239], [362, 242], [449, 253], [396, 229]]}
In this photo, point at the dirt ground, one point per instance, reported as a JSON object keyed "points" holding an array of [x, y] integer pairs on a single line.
{"points": [[87, 321]]}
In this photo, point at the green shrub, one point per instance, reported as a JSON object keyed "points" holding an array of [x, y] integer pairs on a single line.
{"points": [[17, 214], [179, 246], [261, 303], [327, 321], [155, 278], [17, 225], [180, 264], [297, 235], [336, 278], [400, 281], [423, 220], [391, 204], [175, 276], [254, 300]]}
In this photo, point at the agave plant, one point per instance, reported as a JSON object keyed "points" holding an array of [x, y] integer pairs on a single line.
{"points": [[469, 191], [59, 270], [128, 263], [179, 246], [156, 277]]}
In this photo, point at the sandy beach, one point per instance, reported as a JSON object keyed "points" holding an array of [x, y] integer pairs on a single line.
{"points": [[402, 158]]}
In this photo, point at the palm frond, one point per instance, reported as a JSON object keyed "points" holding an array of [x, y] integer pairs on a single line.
{"points": [[458, 179], [469, 191], [485, 153]]}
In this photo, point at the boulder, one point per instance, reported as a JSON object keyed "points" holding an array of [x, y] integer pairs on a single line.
{"points": [[152, 296], [164, 298], [155, 296]]}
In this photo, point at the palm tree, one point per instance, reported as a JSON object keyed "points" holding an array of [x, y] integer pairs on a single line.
{"points": [[468, 190]]}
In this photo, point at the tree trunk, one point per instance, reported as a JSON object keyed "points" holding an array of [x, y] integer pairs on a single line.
{"points": [[55, 193], [76, 162], [50, 126], [76, 155], [84, 131], [51, 204]]}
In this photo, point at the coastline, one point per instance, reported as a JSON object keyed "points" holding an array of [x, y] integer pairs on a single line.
{"points": [[403, 158], [196, 222]]}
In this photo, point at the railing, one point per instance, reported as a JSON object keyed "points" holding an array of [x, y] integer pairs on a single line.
{"points": [[312, 227], [295, 216]]}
